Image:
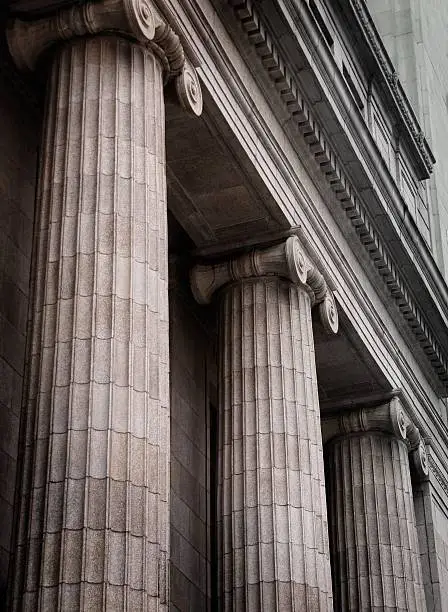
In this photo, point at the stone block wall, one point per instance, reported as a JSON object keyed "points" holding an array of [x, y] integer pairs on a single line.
{"points": [[432, 528], [425, 532], [441, 551], [19, 137], [192, 373]]}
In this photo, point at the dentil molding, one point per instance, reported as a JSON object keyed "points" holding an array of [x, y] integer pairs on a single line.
{"points": [[289, 90], [139, 20]]}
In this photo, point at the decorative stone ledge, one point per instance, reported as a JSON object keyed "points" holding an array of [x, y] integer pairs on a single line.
{"points": [[139, 19], [440, 477], [326, 158], [287, 259], [389, 418]]}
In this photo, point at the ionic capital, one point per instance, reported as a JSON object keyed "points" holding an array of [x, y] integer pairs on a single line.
{"points": [[139, 20], [287, 260], [389, 418]]}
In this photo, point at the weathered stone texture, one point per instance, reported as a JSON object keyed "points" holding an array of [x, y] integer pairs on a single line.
{"points": [[274, 547], [441, 552], [373, 536], [94, 513], [191, 358], [20, 122], [423, 504]]}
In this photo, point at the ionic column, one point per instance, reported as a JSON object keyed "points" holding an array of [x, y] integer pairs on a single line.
{"points": [[273, 520], [373, 536], [93, 509]]}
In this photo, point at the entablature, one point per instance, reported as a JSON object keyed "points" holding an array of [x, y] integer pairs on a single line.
{"points": [[386, 232], [297, 59], [356, 17]]}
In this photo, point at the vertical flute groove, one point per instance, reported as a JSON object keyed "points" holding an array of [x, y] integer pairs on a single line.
{"points": [[94, 506], [372, 524], [271, 452]]}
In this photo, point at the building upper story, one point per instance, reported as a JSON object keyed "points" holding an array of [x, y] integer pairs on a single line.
{"points": [[414, 35]]}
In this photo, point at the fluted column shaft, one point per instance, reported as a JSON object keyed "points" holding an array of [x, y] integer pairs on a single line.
{"points": [[274, 543], [93, 531], [373, 534]]}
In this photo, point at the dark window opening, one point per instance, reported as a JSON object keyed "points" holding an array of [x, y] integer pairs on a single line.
{"points": [[321, 23], [352, 87]]}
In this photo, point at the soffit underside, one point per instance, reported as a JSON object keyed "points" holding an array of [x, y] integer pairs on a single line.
{"points": [[346, 373], [214, 191], [215, 198]]}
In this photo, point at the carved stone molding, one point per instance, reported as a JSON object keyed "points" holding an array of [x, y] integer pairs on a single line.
{"points": [[138, 19], [391, 78], [443, 482], [389, 418], [287, 259], [289, 91]]}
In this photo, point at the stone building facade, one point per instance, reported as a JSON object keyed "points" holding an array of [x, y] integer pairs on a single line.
{"points": [[224, 305]]}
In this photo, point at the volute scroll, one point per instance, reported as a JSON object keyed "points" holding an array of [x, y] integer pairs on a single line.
{"points": [[287, 259], [139, 20], [388, 418], [188, 89]]}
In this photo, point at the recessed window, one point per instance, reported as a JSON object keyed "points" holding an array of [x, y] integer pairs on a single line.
{"points": [[321, 23], [352, 87]]}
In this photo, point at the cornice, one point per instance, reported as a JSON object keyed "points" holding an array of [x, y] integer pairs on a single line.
{"points": [[390, 78], [333, 172], [288, 260]]}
